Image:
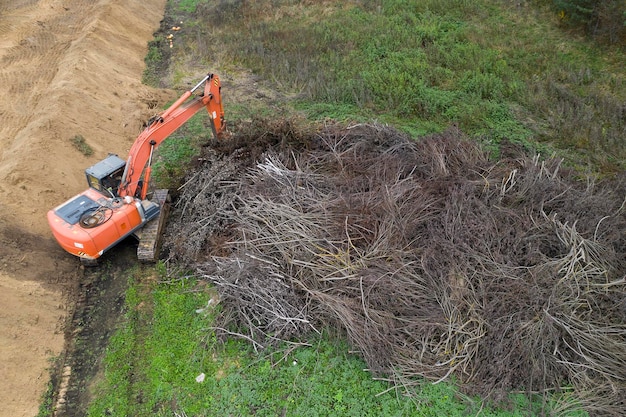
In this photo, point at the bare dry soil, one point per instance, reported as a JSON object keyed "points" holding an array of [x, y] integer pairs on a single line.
{"points": [[69, 67]]}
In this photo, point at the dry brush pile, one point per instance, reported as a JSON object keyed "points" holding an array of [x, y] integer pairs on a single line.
{"points": [[434, 259]]}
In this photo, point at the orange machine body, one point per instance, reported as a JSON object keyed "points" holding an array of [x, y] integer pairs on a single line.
{"points": [[121, 219], [115, 205]]}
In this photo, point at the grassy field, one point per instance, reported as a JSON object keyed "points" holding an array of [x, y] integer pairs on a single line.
{"points": [[501, 71], [498, 70], [166, 361]]}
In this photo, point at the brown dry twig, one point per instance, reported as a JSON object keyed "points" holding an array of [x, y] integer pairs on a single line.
{"points": [[433, 259]]}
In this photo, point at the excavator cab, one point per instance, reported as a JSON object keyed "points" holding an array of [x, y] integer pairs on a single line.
{"points": [[106, 175]]}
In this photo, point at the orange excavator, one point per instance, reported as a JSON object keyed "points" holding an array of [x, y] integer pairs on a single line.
{"points": [[116, 204]]}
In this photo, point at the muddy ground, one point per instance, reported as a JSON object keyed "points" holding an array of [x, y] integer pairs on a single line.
{"points": [[97, 307], [69, 67]]}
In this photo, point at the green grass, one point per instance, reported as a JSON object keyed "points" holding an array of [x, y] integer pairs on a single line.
{"points": [[189, 6], [175, 155], [497, 70], [46, 405], [79, 142], [165, 342]]}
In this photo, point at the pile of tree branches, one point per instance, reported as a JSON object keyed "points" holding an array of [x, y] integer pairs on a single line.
{"points": [[434, 259]]}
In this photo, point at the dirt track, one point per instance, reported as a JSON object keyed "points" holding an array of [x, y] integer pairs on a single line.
{"points": [[69, 67]]}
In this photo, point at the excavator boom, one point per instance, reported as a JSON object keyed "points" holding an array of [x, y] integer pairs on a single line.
{"points": [[115, 205], [161, 127]]}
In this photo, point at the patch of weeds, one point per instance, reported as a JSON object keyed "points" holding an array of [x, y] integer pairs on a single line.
{"points": [[190, 6], [46, 405], [81, 145], [158, 57], [434, 63], [317, 380], [342, 112]]}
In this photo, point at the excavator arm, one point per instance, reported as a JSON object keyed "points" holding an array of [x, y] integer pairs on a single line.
{"points": [[161, 127]]}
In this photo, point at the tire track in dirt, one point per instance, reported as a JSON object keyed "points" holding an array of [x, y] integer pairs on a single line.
{"points": [[55, 79], [99, 306], [67, 67], [31, 63]]}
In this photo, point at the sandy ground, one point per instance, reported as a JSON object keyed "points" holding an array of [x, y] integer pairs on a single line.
{"points": [[68, 67]]}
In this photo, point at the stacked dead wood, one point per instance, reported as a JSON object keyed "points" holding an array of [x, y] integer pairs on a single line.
{"points": [[435, 259]]}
